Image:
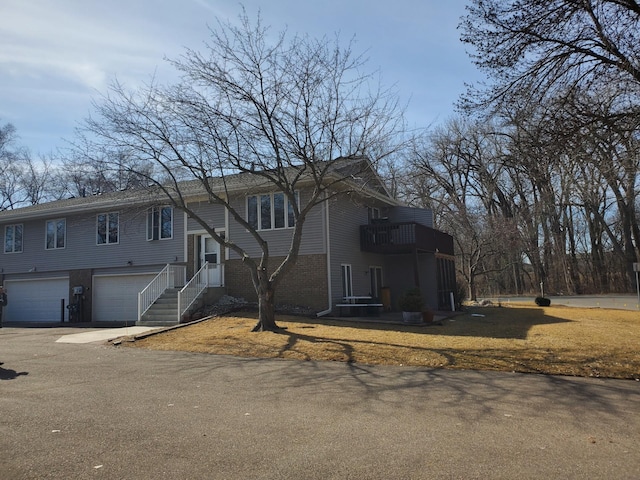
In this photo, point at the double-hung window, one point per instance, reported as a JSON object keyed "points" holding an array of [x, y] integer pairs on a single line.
{"points": [[13, 239], [271, 211], [56, 232], [159, 223], [107, 228]]}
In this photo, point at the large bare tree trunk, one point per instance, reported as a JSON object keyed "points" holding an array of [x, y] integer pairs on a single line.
{"points": [[266, 305], [266, 313]]}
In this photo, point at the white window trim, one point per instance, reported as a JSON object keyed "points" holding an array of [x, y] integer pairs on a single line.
{"points": [[258, 196], [107, 242], [56, 220], [372, 270], [346, 267], [14, 225], [159, 208]]}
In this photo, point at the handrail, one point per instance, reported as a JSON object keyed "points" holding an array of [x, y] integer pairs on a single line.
{"points": [[169, 277], [194, 287]]}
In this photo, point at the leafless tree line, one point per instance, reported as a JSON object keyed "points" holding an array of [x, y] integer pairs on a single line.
{"points": [[27, 180], [23, 179], [538, 182], [548, 197]]}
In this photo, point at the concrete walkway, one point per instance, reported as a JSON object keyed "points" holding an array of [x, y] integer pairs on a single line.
{"points": [[102, 334]]}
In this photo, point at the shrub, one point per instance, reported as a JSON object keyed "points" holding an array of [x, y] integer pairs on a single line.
{"points": [[543, 302], [411, 301]]}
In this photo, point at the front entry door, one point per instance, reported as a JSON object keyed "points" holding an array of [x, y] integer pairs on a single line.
{"points": [[210, 252]]}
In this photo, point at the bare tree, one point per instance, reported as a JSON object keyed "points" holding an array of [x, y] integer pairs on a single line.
{"points": [[89, 172], [23, 180], [565, 76], [545, 47], [458, 170], [609, 142], [286, 113], [10, 157]]}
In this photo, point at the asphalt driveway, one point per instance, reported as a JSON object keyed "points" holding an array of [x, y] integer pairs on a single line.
{"points": [[86, 411]]}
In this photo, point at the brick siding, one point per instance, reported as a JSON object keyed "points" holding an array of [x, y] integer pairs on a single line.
{"points": [[304, 285]]}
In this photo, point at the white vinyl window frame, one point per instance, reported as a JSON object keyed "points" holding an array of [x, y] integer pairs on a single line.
{"points": [[376, 285], [13, 238], [108, 228], [159, 223], [55, 234], [270, 211], [346, 280]]}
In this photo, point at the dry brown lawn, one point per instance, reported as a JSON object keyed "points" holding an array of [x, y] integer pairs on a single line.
{"points": [[552, 340]]}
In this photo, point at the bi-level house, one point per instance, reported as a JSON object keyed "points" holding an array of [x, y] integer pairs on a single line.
{"points": [[116, 257]]}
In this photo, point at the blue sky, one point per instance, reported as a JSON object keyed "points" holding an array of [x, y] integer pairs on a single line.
{"points": [[57, 55]]}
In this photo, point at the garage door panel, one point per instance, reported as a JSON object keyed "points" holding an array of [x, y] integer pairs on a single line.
{"points": [[115, 297], [37, 300]]}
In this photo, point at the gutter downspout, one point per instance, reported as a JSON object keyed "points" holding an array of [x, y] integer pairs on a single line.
{"points": [[328, 244]]}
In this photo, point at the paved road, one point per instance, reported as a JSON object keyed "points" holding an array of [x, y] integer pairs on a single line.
{"points": [[623, 302], [87, 411]]}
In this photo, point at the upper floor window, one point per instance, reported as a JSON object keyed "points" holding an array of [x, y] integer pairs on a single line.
{"points": [[13, 239], [107, 228], [270, 210], [159, 223], [56, 232]]}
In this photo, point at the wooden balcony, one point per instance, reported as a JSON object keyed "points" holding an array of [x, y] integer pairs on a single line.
{"points": [[406, 237]]}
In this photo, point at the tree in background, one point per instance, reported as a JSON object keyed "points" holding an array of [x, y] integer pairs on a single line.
{"points": [[537, 195], [564, 85], [287, 113], [547, 47], [86, 172], [457, 169], [23, 180]]}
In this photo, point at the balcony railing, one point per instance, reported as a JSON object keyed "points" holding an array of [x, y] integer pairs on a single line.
{"points": [[404, 238]]}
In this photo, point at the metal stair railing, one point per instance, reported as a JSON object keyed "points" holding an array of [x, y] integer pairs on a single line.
{"points": [[192, 290], [169, 277]]}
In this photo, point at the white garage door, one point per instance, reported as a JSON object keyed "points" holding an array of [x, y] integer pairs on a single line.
{"points": [[115, 297], [36, 300]]}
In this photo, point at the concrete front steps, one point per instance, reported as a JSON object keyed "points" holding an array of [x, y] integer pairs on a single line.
{"points": [[164, 312]]}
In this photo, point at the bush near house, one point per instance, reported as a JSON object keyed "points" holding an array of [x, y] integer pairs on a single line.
{"points": [[411, 301]]}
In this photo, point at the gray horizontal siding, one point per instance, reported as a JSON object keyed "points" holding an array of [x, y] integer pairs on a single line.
{"points": [[81, 250], [279, 240], [345, 218], [210, 213]]}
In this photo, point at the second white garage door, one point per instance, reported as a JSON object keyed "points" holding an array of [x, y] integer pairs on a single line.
{"points": [[115, 297]]}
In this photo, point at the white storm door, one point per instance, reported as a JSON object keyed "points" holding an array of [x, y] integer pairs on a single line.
{"points": [[210, 252]]}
